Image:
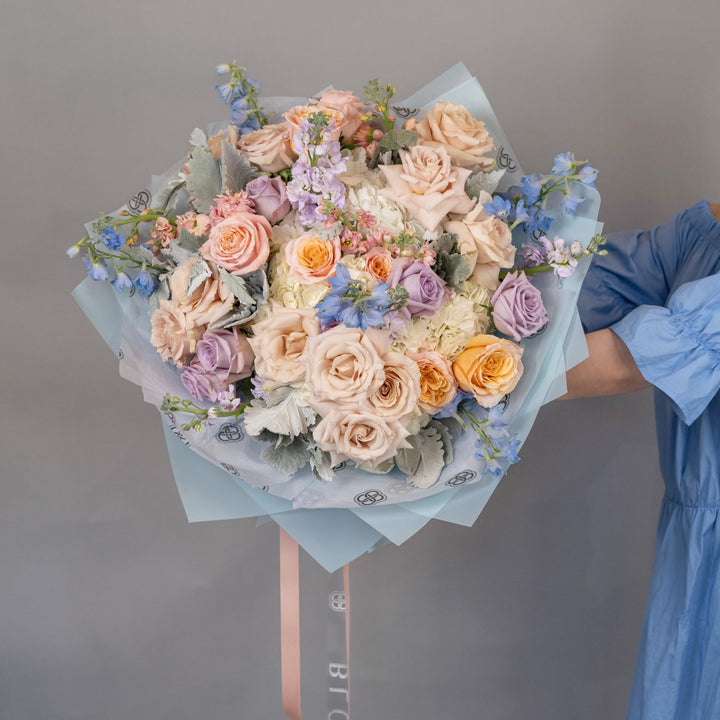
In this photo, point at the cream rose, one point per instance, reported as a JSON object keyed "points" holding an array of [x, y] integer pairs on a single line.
{"points": [[453, 128], [345, 103], [427, 185], [486, 243], [438, 386], [360, 436], [280, 343], [269, 148], [174, 334], [399, 393], [344, 367], [208, 302], [489, 368], [312, 259], [240, 243]]}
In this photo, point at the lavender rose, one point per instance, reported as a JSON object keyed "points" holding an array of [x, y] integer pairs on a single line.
{"points": [[427, 291], [518, 308], [200, 383], [226, 354], [270, 197]]}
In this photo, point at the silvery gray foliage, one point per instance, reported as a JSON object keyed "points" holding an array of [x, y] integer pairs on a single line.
{"points": [[237, 171], [424, 461], [204, 180]]}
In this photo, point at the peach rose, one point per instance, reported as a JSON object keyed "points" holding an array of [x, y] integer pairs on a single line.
{"points": [[269, 148], [240, 243], [486, 243], [280, 344], [452, 127], [427, 185], [174, 334], [489, 368], [343, 367], [378, 262], [399, 393], [347, 104], [312, 259], [438, 386], [208, 302], [296, 115], [360, 436]]}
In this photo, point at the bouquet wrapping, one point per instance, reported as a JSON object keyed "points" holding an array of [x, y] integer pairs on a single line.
{"points": [[358, 270]]}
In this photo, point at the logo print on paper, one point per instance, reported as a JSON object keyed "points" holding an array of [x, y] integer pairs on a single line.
{"points": [[230, 432], [405, 112], [230, 468], [369, 497], [505, 161], [139, 201], [461, 478], [337, 601]]}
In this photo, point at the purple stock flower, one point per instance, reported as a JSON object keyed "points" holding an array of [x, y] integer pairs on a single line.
{"points": [[426, 290], [518, 308]]}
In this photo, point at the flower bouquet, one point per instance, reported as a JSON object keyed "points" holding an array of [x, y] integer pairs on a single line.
{"points": [[348, 310]]}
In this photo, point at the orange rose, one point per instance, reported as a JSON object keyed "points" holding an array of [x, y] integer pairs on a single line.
{"points": [[296, 115], [378, 262], [312, 259], [489, 368], [437, 382]]}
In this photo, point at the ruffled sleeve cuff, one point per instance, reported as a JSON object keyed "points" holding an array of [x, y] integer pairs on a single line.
{"points": [[677, 348]]}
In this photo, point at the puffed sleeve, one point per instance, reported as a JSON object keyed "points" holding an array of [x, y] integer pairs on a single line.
{"points": [[677, 348], [638, 269]]}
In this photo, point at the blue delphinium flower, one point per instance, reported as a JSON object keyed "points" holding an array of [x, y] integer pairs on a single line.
{"points": [[570, 203], [564, 164], [499, 207], [96, 268], [145, 283], [541, 222], [121, 281], [532, 186], [73, 250], [352, 305], [111, 238], [588, 174]]}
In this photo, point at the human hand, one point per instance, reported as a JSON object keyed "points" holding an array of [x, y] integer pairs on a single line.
{"points": [[716, 211]]}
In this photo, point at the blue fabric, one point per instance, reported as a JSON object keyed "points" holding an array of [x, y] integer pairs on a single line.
{"points": [[660, 292]]}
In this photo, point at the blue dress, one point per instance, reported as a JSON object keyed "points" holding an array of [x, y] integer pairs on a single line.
{"points": [[660, 292]]}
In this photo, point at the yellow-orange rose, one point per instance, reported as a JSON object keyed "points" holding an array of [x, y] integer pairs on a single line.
{"points": [[452, 127], [312, 259], [437, 382], [489, 368]]}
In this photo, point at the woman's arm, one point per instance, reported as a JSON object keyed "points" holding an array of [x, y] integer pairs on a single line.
{"points": [[609, 369]]}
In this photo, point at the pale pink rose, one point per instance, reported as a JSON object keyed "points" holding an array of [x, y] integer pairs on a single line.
{"points": [[312, 259], [240, 243], [296, 115], [427, 185], [208, 302], [174, 334], [398, 395], [452, 127], [360, 436], [269, 148], [345, 103], [344, 367], [378, 262], [280, 344], [486, 243], [438, 386]]}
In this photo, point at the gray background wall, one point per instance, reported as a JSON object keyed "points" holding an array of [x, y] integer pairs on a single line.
{"points": [[111, 605]]}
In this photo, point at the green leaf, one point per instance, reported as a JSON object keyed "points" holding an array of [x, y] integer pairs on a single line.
{"points": [[423, 463], [453, 269], [198, 137], [446, 438], [238, 288], [399, 139], [237, 171], [199, 272], [188, 241], [168, 197], [320, 463], [204, 181], [445, 243]]}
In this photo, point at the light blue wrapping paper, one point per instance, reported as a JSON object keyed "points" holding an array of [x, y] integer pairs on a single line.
{"points": [[208, 480]]}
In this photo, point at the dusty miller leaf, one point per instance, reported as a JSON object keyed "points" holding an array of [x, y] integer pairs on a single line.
{"points": [[399, 139], [238, 288], [198, 137], [188, 241], [446, 438], [204, 181], [453, 269], [288, 459], [423, 463], [237, 171], [199, 272]]}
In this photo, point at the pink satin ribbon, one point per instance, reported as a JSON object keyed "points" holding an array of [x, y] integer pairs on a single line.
{"points": [[290, 625]]}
